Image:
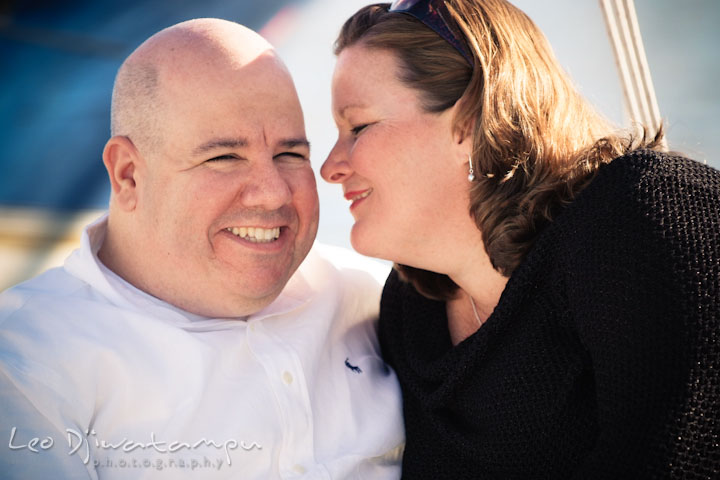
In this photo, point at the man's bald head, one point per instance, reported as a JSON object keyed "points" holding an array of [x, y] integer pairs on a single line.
{"points": [[173, 55], [214, 203]]}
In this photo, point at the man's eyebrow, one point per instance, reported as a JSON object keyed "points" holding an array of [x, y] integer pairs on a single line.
{"points": [[231, 143], [220, 143], [294, 142]]}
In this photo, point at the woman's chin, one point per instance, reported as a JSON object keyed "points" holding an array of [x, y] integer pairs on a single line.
{"points": [[367, 245]]}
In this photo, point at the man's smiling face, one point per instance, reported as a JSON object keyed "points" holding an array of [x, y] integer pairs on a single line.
{"points": [[227, 204]]}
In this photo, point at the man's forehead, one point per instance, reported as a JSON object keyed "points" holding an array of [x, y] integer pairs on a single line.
{"points": [[230, 104], [208, 75]]}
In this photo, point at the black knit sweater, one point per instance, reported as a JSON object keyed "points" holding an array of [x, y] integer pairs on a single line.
{"points": [[601, 359]]}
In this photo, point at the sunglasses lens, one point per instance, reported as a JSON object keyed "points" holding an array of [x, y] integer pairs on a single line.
{"points": [[402, 4]]}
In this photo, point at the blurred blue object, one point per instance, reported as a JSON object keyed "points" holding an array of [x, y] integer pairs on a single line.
{"points": [[59, 61]]}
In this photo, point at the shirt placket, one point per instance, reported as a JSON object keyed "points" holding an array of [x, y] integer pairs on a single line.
{"points": [[288, 383]]}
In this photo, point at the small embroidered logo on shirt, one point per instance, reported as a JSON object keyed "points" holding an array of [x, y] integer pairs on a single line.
{"points": [[352, 367]]}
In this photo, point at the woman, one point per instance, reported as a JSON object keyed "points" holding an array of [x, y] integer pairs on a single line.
{"points": [[555, 302]]}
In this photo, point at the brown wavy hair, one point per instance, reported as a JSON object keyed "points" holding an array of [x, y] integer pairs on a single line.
{"points": [[536, 141]]}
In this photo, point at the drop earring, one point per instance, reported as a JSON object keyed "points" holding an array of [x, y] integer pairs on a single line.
{"points": [[471, 172]]}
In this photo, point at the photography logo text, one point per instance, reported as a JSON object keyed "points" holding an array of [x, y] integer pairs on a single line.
{"points": [[79, 443]]}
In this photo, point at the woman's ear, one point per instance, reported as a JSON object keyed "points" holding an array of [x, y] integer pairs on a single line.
{"points": [[463, 128], [121, 160], [463, 139]]}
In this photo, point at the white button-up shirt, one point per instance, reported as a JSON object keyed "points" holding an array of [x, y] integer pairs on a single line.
{"points": [[101, 380]]}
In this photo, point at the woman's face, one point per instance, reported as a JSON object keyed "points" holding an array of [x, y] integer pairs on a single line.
{"points": [[402, 169]]}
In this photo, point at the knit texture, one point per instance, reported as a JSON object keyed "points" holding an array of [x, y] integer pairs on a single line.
{"points": [[601, 359]]}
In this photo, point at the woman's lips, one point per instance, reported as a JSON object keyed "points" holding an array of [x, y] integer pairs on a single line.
{"points": [[357, 196]]}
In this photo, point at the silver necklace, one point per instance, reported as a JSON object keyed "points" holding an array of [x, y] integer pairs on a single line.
{"points": [[477, 317]]}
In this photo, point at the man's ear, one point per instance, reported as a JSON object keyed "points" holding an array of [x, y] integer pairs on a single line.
{"points": [[121, 160]]}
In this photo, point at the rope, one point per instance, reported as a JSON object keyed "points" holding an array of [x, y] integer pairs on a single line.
{"points": [[624, 32]]}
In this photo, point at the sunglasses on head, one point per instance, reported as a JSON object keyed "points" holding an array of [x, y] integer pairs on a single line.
{"points": [[434, 14]]}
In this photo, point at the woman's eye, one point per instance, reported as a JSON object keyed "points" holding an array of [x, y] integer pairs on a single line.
{"points": [[358, 129]]}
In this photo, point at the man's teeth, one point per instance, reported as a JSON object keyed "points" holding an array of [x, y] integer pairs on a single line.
{"points": [[256, 234]]}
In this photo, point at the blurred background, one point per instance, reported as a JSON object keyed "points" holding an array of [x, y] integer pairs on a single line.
{"points": [[58, 60]]}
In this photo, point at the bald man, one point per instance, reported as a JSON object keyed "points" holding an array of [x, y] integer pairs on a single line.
{"points": [[194, 334]]}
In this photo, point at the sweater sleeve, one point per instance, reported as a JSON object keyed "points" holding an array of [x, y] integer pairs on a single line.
{"points": [[643, 281]]}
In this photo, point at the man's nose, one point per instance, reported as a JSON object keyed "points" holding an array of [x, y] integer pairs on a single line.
{"points": [[267, 187]]}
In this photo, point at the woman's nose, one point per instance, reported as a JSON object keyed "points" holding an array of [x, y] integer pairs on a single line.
{"points": [[336, 167]]}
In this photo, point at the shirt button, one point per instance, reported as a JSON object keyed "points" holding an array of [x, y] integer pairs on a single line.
{"points": [[287, 377], [299, 469], [252, 327]]}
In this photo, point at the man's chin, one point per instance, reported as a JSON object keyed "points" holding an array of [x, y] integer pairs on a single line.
{"points": [[244, 286], [231, 306], [240, 300]]}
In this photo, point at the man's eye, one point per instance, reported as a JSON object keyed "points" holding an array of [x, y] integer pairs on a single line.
{"points": [[291, 156], [358, 129], [221, 158]]}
